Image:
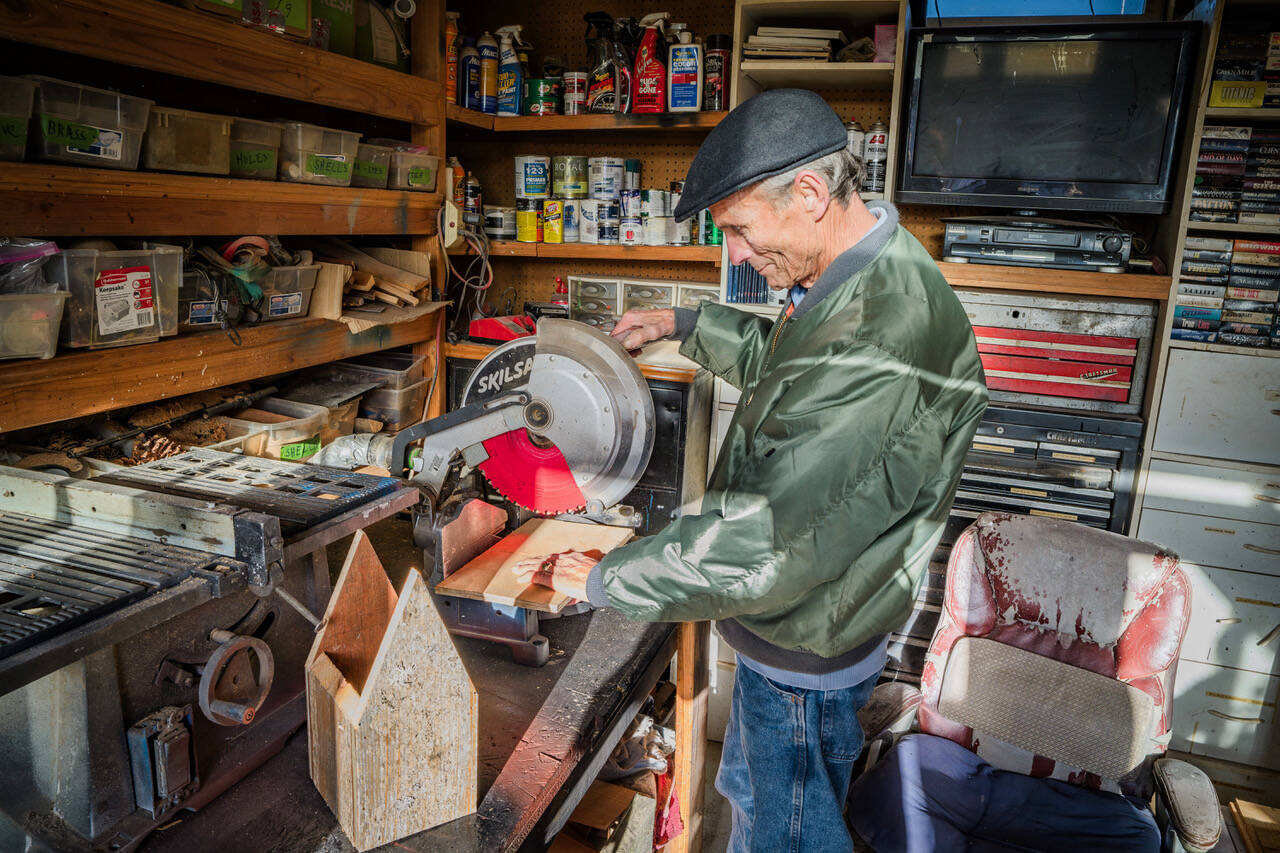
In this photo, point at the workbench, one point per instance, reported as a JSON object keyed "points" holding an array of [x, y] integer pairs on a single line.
{"points": [[544, 734]]}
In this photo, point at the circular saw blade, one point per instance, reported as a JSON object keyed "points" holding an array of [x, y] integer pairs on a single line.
{"points": [[536, 478]]}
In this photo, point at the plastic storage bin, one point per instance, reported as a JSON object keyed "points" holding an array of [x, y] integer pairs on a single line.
{"points": [[16, 96], [88, 126], [255, 149], [316, 155], [29, 324], [112, 299], [410, 171], [287, 292], [279, 429], [185, 141], [168, 285], [197, 302], [373, 165], [395, 408], [394, 370]]}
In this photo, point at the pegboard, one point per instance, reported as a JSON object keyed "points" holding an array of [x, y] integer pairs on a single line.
{"points": [[534, 279]]}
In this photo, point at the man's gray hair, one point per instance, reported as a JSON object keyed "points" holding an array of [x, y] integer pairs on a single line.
{"points": [[843, 171]]}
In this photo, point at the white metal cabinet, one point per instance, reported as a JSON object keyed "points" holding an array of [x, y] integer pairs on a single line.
{"points": [[1223, 542], [1213, 491], [1220, 406], [1235, 619], [1226, 713]]}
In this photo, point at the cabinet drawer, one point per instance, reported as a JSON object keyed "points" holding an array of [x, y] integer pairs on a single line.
{"points": [[1216, 492], [594, 305], [661, 295], [603, 322], [693, 297], [1220, 405], [594, 287], [1226, 713], [1222, 542], [727, 394], [719, 429], [636, 304], [1232, 614]]}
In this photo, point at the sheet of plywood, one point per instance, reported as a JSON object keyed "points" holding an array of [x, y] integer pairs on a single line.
{"points": [[1259, 826], [602, 805], [489, 576]]}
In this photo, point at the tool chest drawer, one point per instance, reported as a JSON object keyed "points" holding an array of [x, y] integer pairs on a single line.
{"points": [[593, 305], [1208, 490], [644, 294], [1221, 406], [1207, 541], [1226, 713], [693, 297], [1235, 619]]}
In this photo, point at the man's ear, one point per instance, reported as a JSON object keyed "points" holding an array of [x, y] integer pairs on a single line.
{"points": [[814, 196]]}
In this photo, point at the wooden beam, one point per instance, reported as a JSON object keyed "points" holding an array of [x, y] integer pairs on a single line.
{"points": [[35, 392], [605, 122], [42, 199], [692, 691], [161, 37]]}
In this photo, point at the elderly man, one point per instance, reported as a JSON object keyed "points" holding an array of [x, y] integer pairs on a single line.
{"points": [[837, 473]]}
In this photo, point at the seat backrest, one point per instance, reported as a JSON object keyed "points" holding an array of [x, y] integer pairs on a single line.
{"points": [[1055, 652]]}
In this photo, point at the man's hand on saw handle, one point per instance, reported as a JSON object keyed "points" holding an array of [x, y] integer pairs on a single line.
{"points": [[565, 572], [638, 327]]}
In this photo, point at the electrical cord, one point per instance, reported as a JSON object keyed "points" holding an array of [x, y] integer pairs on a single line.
{"points": [[476, 279]]}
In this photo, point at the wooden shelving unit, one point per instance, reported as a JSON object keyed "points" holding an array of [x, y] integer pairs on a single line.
{"points": [[1268, 352], [76, 383], [71, 200], [664, 122], [1242, 114], [1031, 279], [1234, 228], [160, 37], [690, 254], [776, 74]]}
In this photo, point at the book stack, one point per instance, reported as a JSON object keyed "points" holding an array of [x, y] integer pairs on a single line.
{"points": [[1202, 286], [1252, 291], [792, 43], [1237, 176], [745, 286]]}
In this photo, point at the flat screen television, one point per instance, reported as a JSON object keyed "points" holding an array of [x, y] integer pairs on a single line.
{"points": [[1054, 117]]}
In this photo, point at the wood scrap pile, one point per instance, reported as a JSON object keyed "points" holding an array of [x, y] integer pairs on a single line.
{"points": [[370, 282]]}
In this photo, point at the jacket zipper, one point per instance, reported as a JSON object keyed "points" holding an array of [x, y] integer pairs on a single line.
{"points": [[773, 347]]}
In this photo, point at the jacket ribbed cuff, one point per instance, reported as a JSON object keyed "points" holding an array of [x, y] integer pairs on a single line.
{"points": [[686, 319], [596, 595]]}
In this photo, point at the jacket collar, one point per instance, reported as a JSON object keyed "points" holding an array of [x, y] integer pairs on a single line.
{"points": [[852, 260]]}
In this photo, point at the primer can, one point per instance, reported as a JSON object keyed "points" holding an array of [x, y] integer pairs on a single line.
{"points": [[569, 177], [589, 221], [605, 174], [533, 177], [610, 209], [572, 216], [500, 222], [654, 203], [528, 220], [609, 233], [656, 229], [629, 201], [631, 232], [553, 221]]}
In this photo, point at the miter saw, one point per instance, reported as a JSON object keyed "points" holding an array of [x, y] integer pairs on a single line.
{"points": [[561, 424]]}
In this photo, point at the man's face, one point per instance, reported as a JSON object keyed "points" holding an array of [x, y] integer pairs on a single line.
{"points": [[779, 239]]}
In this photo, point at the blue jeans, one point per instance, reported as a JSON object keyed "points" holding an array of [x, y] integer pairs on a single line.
{"points": [[787, 760], [931, 794]]}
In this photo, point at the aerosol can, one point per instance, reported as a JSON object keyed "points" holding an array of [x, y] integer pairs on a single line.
{"points": [[648, 80], [510, 73], [609, 80]]}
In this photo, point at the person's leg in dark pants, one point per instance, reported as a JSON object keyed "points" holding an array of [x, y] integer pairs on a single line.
{"points": [[787, 761]]}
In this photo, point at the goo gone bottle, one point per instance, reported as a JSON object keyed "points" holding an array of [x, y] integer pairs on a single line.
{"points": [[685, 82], [488, 50], [649, 79]]}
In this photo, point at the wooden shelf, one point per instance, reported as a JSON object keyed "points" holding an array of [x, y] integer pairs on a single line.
{"points": [[85, 382], [1273, 230], [593, 251], [776, 73], [1196, 345], [666, 122], [200, 46], [1263, 113], [1070, 282], [49, 200]]}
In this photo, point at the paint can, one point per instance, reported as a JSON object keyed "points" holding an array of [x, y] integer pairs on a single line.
{"points": [[629, 202], [500, 222], [572, 216], [610, 209], [609, 233], [877, 156], [541, 87], [631, 232], [605, 175], [656, 229], [589, 221], [575, 93], [528, 220], [654, 204], [542, 107], [678, 233], [533, 176], [553, 221], [569, 177], [631, 180]]}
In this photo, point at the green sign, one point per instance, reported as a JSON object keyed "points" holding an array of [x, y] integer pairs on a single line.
{"points": [[328, 167], [421, 176], [59, 131], [253, 160], [371, 170], [300, 449], [13, 130]]}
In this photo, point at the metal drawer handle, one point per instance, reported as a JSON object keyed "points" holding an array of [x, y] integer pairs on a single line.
{"points": [[1270, 552], [1229, 620], [1267, 498], [1253, 721], [1271, 635]]}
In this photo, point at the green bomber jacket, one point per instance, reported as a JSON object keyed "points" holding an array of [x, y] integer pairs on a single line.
{"points": [[839, 467]]}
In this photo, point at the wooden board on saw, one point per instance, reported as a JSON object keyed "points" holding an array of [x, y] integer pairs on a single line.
{"points": [[1259, 826], [489, 576]]}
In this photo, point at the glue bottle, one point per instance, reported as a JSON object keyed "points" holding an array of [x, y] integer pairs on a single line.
{"points": [[684, 73], [510, 74], [649, 77], [487, 47]]}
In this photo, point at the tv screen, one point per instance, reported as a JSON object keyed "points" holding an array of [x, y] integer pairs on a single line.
{"points": [[1045, 117]]}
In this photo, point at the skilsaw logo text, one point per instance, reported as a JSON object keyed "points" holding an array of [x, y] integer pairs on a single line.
{"points": [[504, 378]]}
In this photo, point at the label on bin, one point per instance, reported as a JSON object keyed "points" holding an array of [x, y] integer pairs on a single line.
{"points": [[421, 176], [371, 170], [82, 139], [300, 449], [253, 160], [333, 166], [201, 312], [124, 301], [285, 305], [13, 130]]}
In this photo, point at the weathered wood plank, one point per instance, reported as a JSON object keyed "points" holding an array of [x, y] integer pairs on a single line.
{"points": [[692, 691]]}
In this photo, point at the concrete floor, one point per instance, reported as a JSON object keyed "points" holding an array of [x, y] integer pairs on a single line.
{"points": [[715, 809]]}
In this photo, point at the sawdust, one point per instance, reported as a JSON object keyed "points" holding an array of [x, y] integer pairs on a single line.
{"points": [[200, 432], [168, 409]]}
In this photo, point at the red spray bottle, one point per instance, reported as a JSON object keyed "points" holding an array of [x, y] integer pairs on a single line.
{"points": [[649, 78]]}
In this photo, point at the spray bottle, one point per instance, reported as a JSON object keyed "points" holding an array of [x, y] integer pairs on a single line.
{"points": [[487, 47], [469, 74], [649, 80], [609, 78], [684, 82], [510, 74]]}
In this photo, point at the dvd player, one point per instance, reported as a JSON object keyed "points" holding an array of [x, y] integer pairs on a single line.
{"points": [[1051, 243]]}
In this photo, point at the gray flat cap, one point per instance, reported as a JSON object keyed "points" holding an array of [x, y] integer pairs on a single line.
{"points": [[763, 136]]}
